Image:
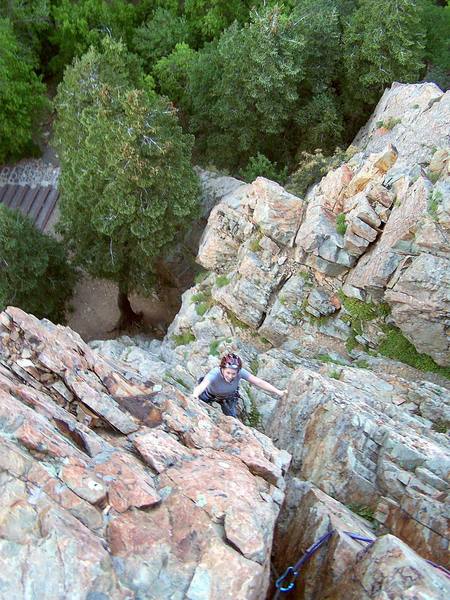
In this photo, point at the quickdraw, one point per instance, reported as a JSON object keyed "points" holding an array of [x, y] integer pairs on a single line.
{"points": [[286, 582]]}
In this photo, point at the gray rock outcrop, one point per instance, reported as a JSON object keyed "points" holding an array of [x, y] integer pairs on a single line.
{"points": [[116, 483], [307, 290], [113, 487]]}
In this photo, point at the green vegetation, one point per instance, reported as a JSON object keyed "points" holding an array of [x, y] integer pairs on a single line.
{"points": [[302, 68], [318, 321], [229, 127], [235, 321], [184, 338], [200, 297], [363, 511], [341, 225], [214, 347], [261, 166], [255, 245], [362, 364], [329, 359], [335, 374], [436, 19], [254, 416], [434, 199], [290, 99], [35, 275], [171, 73], [363, 311], [306, 275], [383, 309], [384, 42], [172, 379], [79, 25], [312, 167], [181, 382], [121, 208], [396, 346], [159, 36], [201, 308], [22, 96], [201, 276], [208, 19], [203, 301], [222, 280], [351, 343], [31, 22], [254, 365], [298, 314], [389, 123], [441, 426], [265, 87], [360, 312], [433, 176]]}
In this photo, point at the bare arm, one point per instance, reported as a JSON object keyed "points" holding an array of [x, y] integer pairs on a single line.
{"points": [[265, 385], [201, 387]]}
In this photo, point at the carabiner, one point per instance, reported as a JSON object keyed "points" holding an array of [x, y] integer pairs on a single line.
{"points": [[278, 583]]}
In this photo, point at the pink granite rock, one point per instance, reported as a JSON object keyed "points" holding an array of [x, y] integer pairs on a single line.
{"points": [[152, 500]]}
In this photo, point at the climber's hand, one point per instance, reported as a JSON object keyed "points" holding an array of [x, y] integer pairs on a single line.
{"points": [[282, 393]]}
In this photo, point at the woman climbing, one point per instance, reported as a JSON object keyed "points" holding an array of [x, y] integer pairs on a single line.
{"points": [[221, 384]]}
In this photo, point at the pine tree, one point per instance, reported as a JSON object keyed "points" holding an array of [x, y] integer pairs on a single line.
{"points": [[22, 96], [384, 42], [34, 272], [244, 88], [127, 184]]}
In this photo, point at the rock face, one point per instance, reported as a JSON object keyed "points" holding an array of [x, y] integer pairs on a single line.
{"points": [[359, 438], [115, 484], [413, 117], [112, 487], [178, 267], [345, 566], [355, 439], [306, 290], [377, 227], [390, 566]]}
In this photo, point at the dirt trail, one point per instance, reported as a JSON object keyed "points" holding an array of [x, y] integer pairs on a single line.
{"points": [[95, 310]]}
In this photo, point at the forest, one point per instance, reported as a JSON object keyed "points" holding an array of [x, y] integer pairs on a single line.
{"points": [[137, 92]]}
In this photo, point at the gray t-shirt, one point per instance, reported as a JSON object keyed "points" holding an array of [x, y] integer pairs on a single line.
{"points": [[219, 387]]}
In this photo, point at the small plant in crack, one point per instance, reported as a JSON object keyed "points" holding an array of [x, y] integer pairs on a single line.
{"points": [[341, 225]]}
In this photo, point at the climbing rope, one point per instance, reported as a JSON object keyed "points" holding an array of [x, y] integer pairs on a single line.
{"points": [[286, 582], [440, 567], [282, 583]]}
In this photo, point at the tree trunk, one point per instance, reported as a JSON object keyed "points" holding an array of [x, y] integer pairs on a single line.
{"points": [[128, 318]]}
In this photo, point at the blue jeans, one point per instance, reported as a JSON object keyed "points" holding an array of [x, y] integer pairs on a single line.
{"points": [[228, 405]]}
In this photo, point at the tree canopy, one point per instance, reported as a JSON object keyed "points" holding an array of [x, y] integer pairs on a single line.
{"points": [[159, 36], [34, 272], [22, 96], [78, 25], [384, 42], [127, 184], [248, 77], [244, 88]]}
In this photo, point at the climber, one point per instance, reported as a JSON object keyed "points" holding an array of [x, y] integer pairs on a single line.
{"points": [[221, 384]]}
